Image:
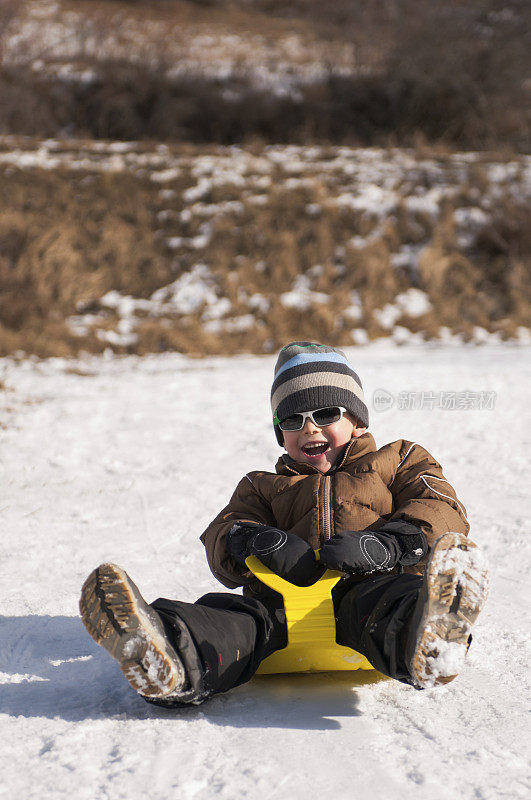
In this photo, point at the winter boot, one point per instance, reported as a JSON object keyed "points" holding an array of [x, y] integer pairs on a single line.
{"points": [[453, 592], [117, 617]]}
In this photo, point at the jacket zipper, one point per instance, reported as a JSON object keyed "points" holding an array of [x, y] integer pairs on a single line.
{"points": [[327, 507]]}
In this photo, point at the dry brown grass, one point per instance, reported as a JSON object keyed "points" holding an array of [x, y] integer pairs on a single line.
{"points": [[69, 236]]}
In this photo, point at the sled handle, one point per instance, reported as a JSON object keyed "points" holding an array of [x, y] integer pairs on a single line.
{"points": [[316, 591]]}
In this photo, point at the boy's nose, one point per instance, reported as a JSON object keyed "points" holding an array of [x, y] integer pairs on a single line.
{"points": [[310, 426]]}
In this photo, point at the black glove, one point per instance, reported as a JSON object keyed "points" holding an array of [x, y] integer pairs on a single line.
{"points": [[356, 552], [284, 553]]}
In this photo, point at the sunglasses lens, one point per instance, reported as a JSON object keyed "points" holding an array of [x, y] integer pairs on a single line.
{"points": [[327, 416], [293, 423], [322, 417]]}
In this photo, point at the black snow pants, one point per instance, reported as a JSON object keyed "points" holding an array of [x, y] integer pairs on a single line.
{"points": [[222, 638]]}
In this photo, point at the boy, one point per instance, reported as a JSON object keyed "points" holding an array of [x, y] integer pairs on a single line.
{"points": [[387, 519]]}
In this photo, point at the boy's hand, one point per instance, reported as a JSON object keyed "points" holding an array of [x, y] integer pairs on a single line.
{"points": [[284, 553], [356, 552]]}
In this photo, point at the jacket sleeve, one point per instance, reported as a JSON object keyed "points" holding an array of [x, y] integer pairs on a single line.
{"points": [[247, 504], [423, 496]]}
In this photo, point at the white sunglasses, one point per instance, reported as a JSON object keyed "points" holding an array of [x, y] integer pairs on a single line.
{"points": [[321, 417]]}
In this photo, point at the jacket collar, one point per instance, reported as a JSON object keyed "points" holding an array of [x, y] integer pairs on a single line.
{"points": [[354, 450]]}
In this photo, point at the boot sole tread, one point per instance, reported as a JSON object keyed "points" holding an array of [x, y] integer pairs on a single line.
{"points": [[113, 616], [457, 584]]}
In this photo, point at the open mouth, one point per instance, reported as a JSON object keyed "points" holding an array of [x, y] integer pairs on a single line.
{"points": [[315, 449]]}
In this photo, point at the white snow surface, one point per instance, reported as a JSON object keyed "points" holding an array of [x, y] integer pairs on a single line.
{"points": [[127, 460]]}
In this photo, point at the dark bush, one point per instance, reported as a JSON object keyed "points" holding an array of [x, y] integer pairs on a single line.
{"points": [[454, 73]]}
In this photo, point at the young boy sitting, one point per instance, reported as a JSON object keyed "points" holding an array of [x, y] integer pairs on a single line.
{"points": [[387, 519]]}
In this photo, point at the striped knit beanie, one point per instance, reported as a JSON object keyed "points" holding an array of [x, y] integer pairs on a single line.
{"points": [[310, 376]]}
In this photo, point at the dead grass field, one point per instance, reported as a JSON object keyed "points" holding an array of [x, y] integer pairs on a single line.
{"points": [[225, 250]]}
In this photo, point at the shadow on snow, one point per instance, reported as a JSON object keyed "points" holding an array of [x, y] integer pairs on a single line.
{"points": [[52, 668]]}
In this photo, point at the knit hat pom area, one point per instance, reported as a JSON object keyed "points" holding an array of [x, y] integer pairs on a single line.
{"points": [[309, 375]]}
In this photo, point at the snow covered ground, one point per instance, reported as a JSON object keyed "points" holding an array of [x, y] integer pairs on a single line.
{"points": [[127, 460]]}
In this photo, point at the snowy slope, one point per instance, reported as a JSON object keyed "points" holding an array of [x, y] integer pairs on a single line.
{"points": [[127, 460]]}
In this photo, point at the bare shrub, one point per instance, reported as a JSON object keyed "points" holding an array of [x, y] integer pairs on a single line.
{"points": [[458, 71], [9, 9], [503, 251]]}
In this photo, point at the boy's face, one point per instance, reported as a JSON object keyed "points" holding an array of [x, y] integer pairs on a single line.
{"points": [[301, 445]]}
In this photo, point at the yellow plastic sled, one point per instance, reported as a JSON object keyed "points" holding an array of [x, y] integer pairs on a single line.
{"points": [[312, 645]]}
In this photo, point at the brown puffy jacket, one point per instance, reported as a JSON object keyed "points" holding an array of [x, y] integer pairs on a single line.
{"points": [[366, 489]]}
